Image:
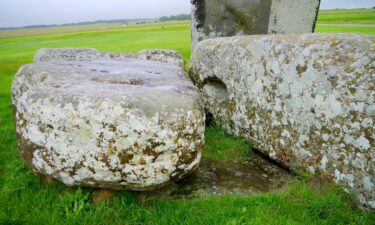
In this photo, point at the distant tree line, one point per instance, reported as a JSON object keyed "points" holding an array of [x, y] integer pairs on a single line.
{"points": [[175, 17]]}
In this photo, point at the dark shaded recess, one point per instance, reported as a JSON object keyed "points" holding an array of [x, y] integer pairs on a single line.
{"points": [[200, 12], [210, 120]]}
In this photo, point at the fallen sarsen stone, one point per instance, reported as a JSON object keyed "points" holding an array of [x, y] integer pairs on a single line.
{"points": [[112, 122]]}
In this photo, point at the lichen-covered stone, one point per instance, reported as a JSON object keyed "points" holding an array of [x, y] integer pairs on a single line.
{"points": [[160, 55], [49, 54], [307, 101], [223, 18], [114, 123]]}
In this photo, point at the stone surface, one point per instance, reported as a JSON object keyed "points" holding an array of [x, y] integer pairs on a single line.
{"points": [[252, 176], [223, 18], [160, 55], [113, 123], [307, 101]]}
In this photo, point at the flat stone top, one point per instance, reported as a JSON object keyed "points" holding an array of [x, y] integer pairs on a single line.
{"points": [[145, 84]]}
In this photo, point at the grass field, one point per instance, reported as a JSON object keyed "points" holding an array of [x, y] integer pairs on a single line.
{"points": [[346, 21], [347, 16], [26, 199], [348, 29]]}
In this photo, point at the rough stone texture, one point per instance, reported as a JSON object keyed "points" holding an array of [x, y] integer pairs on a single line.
{"points": [[223, 18], [307, 101], [112, 123], [160, 55]]}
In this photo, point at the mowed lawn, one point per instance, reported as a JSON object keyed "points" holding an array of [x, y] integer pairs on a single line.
{"points": [[26, 199]]}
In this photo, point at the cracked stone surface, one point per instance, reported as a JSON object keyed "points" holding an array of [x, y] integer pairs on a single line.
{"points": [[307, 101], [224, 18], [109, 120]]}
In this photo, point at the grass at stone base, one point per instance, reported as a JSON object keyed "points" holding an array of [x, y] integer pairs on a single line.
{"points": [[221, 146], [25, 199], [334, 29]]}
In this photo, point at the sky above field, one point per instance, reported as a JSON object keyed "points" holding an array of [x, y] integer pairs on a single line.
{"points": [[14, 13]]}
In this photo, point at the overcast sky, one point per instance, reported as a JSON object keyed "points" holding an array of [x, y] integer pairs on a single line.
{"points": [[15, 13]]}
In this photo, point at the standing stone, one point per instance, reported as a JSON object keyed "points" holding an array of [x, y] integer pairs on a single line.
{"points": [[106, 120], [223, 18], [307, 101]]}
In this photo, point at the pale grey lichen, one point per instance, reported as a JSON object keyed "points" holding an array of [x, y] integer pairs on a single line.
{"points": [[116, 123], [159, 55], [307, 101]]}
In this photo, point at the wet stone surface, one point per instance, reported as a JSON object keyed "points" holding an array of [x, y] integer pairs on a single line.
{"points": [[251, 176]]}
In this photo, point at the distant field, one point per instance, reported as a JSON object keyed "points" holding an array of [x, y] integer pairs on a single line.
{"points": [[56, 30], [347, 16], [78, 28], [346, 21], [348, 29]]}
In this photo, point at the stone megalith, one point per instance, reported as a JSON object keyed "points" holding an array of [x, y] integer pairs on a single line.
{"points": [[307, 101], [106, 120], [223, 18]]}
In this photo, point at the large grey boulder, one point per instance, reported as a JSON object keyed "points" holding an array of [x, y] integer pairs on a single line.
{"points": [[307, 101], [223, 18], [114, 123], [160, 55]]}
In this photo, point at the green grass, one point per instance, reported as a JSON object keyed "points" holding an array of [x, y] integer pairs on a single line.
{"points": [[357, 17], [334, 29], [35, 203], [347, 16], [25, 199], [224, 147]]}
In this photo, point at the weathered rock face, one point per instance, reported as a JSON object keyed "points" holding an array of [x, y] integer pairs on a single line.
{"points": [[113, 123], [307, 101], [160, 55], [223, 18]]}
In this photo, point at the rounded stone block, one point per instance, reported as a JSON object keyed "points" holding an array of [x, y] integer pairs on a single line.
{"points": [[112, 123], [307, 101]]}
